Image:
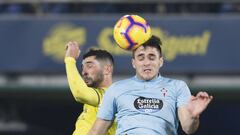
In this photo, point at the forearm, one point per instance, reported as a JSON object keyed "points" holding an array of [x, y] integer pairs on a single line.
{"points": [[81, 92], [97, 131], [189, 123]]}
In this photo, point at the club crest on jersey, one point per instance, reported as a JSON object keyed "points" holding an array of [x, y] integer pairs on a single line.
{"points": [[148, 105], [164, 91]]}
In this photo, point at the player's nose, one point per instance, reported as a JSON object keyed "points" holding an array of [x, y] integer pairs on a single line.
{"points": [[84, 72]]}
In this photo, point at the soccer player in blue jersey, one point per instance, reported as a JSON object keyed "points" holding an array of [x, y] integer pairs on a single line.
{"points": [[148, 103]]}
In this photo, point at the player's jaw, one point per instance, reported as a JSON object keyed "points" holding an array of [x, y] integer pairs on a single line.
{"points": [[88, 80], [147, 73], [94, 80]]}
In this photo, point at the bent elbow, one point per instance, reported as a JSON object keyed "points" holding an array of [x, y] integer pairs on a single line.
{"points": [[79, 97], [78, 100]]}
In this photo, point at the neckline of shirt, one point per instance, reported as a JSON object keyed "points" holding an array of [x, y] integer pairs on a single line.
{"points": [[152, 80]]}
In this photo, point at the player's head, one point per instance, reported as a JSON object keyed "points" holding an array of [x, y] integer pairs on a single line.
{"points": [[97, 65], [147, 59]]}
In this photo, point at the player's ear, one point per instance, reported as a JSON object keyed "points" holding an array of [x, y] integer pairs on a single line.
{"points": [[161, 62], [133, 63], [108, 69]]}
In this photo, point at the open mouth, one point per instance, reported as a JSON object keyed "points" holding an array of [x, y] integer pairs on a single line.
{"points": [[147, 70], [86, 79]]}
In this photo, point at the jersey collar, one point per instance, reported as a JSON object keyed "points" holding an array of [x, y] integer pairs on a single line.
{"points": [[153, 80]]}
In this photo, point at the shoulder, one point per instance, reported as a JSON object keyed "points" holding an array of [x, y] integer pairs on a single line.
{"points": [[123, 83], [177, 86], [172, 81], [120, 86], [99, 91]]}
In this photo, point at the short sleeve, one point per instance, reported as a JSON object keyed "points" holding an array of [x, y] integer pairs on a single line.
{"points": [[183, 94], [107, 108]]}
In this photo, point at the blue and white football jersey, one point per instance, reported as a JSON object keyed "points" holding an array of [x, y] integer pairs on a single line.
{"points": [[145, 107]]}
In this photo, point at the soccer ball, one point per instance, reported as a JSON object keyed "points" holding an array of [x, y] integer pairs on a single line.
{"points": [[131, 31]]}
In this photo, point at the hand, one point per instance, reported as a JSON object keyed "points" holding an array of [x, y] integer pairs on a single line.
{"points": [[72, 50], [198, 104]]}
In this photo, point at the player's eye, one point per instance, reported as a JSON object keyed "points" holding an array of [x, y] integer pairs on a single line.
{"points": [[152, 57], [140, 58], [89, 65]]}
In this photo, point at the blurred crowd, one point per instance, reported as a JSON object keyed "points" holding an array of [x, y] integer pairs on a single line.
{"points": [[81, 7]]}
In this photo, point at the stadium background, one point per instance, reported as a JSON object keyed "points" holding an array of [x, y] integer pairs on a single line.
{"points": [[200, 46]]}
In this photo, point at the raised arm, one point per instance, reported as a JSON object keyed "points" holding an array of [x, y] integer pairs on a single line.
{"points": [[100, 127], [80, 91], [190, 113]]}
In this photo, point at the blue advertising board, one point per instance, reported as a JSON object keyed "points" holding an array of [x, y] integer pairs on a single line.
{"points": [[205, 44]]}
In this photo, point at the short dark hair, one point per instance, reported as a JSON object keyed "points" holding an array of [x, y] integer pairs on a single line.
{"points": [[154, 42], [100, 55]]}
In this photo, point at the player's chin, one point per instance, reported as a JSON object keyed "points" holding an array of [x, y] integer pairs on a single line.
{"points": [[148, 77], [89, 83]]}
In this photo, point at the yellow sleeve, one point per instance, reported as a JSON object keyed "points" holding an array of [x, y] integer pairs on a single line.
{"points": [[80, 91]]}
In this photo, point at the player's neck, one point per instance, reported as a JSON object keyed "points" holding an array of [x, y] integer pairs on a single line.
{"points": [[106, 82]]}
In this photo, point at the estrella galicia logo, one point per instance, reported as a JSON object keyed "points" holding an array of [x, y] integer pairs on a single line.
{"points": [[148, 105]]}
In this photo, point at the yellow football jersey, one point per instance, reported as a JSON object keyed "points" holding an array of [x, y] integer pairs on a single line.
{"points": [[86, 120], [90, 97]]}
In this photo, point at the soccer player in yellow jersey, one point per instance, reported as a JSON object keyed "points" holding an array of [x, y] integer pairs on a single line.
{"points": [[97, 70]]}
